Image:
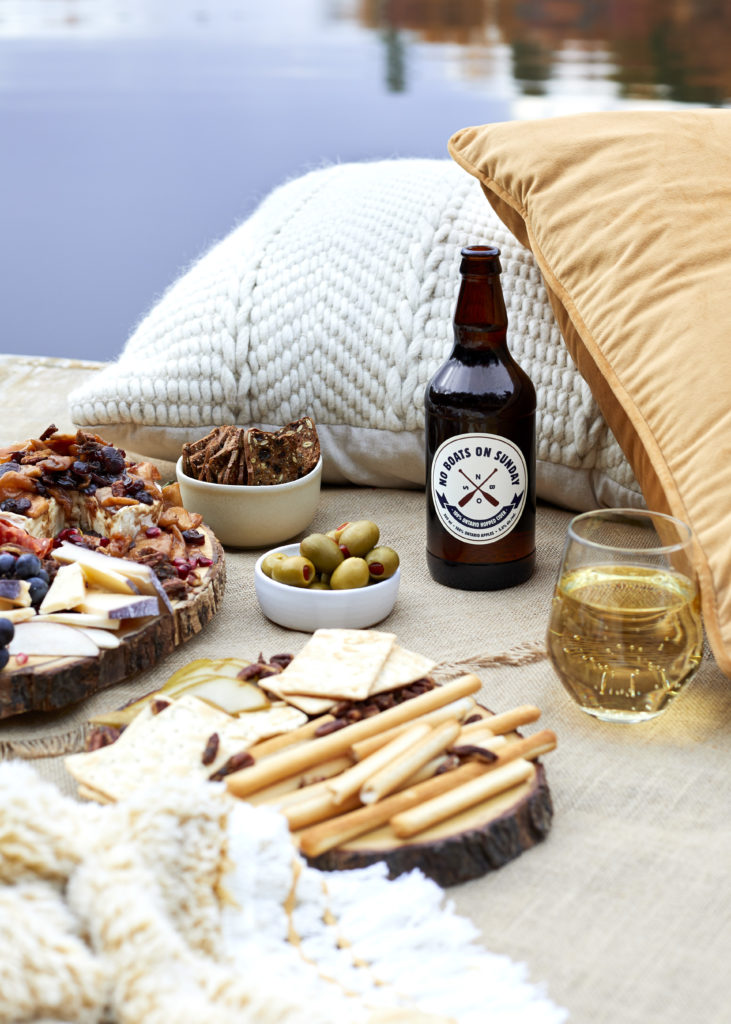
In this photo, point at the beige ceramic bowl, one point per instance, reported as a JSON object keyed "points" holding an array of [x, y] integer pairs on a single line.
{"points": [[253, 517]]}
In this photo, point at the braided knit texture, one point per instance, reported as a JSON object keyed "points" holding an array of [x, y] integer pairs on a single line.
{"points": [[335, 299]]}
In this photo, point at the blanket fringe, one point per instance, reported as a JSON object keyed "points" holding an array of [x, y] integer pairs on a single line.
{"points": [[71, 742]]}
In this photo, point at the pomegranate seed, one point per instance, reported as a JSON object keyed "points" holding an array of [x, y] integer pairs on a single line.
{"points": [[183, 571], [203, 560], [21, 659], [153, 531], [104, 542]]}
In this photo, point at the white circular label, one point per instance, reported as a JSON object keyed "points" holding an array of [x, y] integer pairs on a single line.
{"points": [[478, 485]]}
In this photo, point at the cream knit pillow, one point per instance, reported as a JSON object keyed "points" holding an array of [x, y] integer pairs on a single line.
{"points": [[335, 299]]}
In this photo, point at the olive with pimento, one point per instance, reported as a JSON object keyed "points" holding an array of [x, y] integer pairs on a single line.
{"points": [[382, 562], [295, 570]]}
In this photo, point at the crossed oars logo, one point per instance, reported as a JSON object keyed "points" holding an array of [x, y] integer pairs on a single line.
{"points": [[477, 488]]}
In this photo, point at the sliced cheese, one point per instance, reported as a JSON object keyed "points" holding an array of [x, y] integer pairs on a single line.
{"points": [[118, 606], [67, 590], [81, 619], [107, 579], [18, 614]]}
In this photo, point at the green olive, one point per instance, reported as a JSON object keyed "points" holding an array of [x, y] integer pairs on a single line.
{"points": [[294, 570], [335, 534], [322, 551], [382, 563], [319, 586], [268, 563], [350, 574], [359, 537]]}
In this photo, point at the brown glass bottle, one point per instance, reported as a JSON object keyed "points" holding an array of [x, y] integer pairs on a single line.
{"points": [[480, 444]]}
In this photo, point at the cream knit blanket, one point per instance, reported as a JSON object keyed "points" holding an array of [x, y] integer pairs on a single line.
{"points": [[182, 904]]}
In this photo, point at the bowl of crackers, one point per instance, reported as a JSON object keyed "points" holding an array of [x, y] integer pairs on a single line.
{"points": [[253, 487]]}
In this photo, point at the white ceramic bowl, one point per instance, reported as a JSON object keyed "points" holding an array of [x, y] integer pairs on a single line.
{"points": [[308, 610], [253, 517]]}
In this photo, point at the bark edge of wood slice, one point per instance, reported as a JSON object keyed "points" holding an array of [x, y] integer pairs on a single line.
{"points": [[57, 683]]}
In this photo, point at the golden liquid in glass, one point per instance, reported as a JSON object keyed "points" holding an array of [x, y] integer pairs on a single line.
{"points": [[625, 639]]}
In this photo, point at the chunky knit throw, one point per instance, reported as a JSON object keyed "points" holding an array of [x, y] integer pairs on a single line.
{"points": [[335, 299], [183, 904]]}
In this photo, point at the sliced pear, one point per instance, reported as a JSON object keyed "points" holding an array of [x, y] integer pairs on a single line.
{"points": [[67, 590], [234, 696], [105, 639], [51, 639]]}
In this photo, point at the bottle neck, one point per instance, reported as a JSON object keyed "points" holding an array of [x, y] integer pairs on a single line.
{"points": [[480, 318]]}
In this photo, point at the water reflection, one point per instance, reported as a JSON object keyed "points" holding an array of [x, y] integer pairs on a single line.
{"points": [[673, 50], [137, 132]]}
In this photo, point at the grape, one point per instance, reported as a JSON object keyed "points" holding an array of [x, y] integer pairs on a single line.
{"points": [[7, 563], [38, 589], [27, 565], [4, 657], [7, 632]]}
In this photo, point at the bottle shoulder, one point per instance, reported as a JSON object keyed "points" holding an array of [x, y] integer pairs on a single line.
{"points": [[490, 376]]}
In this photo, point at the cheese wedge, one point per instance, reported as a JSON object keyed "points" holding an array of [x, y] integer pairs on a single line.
{"points": [[141, 575], [118, 606], [67, 590]]}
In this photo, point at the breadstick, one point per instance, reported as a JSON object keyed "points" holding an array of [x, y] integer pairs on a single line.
{"points": [[508, 721], [336, 831], [458, 709], [530, 747], [296, 788], [390, 777], [290, 761], [350, 781], [318, 809], [287, 739], [431, 812]]}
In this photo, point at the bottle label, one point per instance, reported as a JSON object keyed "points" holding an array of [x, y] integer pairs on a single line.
{"points": [[479, 484]]}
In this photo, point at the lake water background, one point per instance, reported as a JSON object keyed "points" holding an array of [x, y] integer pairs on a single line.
{"points": [[134, 133]]}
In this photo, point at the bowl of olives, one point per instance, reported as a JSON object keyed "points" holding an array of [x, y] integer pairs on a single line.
{"points": [[342, 579]]}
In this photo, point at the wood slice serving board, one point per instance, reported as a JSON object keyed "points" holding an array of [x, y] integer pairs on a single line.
{"points": [[50, 684], [466, 846]]}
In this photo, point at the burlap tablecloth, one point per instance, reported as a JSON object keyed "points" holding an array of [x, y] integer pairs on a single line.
{"points": [[624, 912]]}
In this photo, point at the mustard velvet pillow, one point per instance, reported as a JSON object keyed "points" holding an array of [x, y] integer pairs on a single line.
{"points": [[628, 215]]}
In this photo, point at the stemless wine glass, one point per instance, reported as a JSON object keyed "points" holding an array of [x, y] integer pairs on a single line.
{"points": [[625, 633]]}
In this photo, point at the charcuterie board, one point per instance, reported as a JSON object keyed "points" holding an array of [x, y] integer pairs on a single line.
{"points": [[50, 683]]}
